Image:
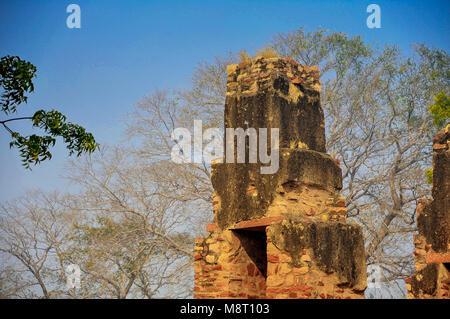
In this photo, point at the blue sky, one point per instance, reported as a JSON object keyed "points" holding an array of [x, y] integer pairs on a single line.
{"points": [[126, 49]]}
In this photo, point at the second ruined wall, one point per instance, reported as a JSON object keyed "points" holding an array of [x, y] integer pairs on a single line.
{"points": [[432, 243]]}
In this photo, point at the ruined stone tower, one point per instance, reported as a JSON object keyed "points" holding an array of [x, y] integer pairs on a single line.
{"points": [[432, 244], [281, 235]]}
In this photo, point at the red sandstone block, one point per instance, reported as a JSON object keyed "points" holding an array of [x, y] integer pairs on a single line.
{"points": [[291, 61], [212, 289], [340, 203], [322, 295], [276, 290], [292, 295], [251, 269], [197, 288], [197, 256], [211, 227], [419, 209], [206, 268], [217, 267], [303, 287], [437, 146], [307, 294], [220, 239], [251, 190], [297, 80], [227, 294], [436, 258], [273, 258], [408, 280], [340, 291], [261, 222], [262, 285]]}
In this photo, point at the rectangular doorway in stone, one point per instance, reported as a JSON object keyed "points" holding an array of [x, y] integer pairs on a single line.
{"points": [[254, 258]]}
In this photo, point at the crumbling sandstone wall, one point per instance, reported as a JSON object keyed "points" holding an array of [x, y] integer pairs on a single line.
{"points": [[315, 259], [281, 235], [432, 244]]}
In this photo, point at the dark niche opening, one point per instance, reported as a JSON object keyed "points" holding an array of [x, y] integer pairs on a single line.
{"points": [[254, 243]]}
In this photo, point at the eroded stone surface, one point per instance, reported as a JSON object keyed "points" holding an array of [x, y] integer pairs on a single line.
{"points": [[245, 193], [281, 235], [432, 243], [336, 248]]}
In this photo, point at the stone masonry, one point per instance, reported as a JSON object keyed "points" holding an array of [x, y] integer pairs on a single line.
{"points": [[281, 235], [432, 244]]}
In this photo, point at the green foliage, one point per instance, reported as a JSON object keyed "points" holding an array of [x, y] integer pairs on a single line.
{"points": [[440, 110], [15, 80], [429, 175], [35, 149]]}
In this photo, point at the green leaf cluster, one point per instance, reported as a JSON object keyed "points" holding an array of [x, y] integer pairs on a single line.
{"points": [[440, 110], [429, 175], [15, 81], [35, 148]]}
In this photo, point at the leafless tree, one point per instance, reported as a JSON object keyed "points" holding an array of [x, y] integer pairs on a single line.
{"points": [[135, 239], [33, 236], [131, 226]]}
